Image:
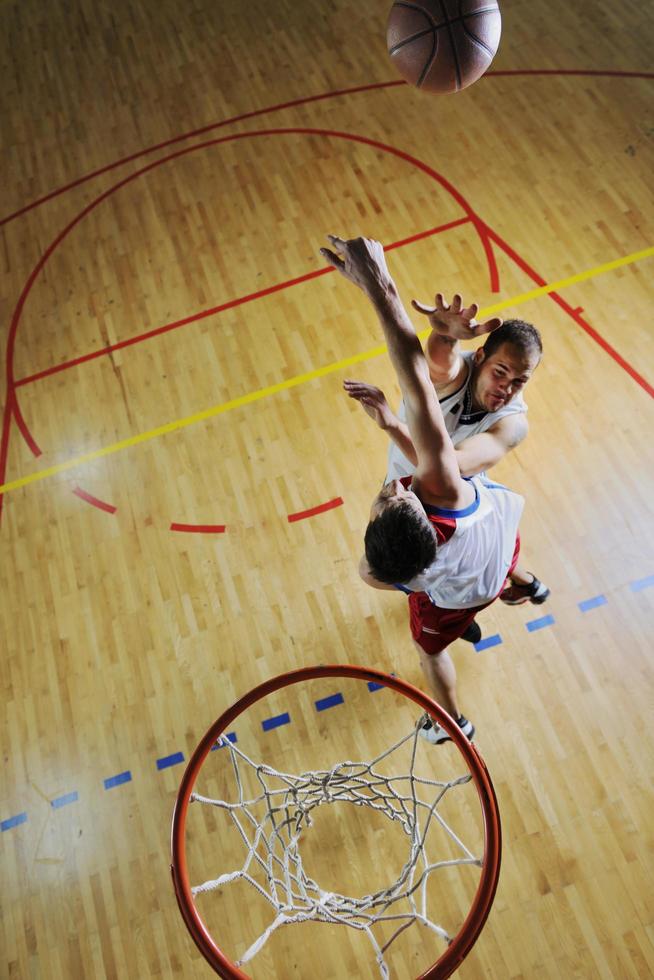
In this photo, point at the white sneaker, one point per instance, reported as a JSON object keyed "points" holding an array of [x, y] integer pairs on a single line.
{"points": [[436, 735]]}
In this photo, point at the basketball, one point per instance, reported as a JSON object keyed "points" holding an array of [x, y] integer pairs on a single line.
{"points": [[443, 45]]}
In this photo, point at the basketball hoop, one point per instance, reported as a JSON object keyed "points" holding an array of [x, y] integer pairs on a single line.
{"points": [[294, 895]]}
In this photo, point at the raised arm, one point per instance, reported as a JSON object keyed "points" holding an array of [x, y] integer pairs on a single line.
{"points": [[450, 324], [373, 401], [485, 449], [362, 262]]}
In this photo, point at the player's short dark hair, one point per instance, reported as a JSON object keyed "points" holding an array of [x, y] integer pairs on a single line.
{"points": [[400, 543], [519, 334]]}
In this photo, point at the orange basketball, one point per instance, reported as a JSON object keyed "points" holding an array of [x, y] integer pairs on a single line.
{"points": [[443, 45]]}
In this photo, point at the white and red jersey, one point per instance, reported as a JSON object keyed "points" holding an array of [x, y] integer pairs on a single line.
{"points": [[475, 547], [460, 420]]}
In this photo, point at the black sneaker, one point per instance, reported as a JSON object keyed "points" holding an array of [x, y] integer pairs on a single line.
{"points": [[515, 595], [436, 735], [472, 634]]}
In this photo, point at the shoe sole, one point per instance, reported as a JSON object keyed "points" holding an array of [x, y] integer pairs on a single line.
{"points": [[447, 738], [536, 600]]}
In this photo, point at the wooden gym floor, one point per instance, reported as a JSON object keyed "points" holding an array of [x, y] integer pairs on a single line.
{"points": [[169, 172]]}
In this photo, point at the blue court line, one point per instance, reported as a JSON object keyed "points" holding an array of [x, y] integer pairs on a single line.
{"points": [[275, 722], [13, 821], [374, 686], [122, 777], [488, 641], [329, 702], [170, 760], [597, 600], [221, 745], [539, 624], [284, 719], [64, 800]]}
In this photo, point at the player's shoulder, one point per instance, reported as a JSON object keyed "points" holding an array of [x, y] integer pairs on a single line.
{"points": [[511, 428]]}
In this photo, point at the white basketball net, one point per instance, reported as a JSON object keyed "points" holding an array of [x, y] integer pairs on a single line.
{"points": [[272, 824]]}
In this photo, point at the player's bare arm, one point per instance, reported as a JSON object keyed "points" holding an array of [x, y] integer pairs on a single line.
{"points": [[476, 453], [450, 324], [481, 451], [362, 261], [374, 403]]}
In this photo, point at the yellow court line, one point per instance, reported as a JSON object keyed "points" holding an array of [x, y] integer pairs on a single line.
{"points": [[255, 396]]}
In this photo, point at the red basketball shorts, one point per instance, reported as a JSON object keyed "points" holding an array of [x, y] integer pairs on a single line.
{"points": [[434, 628]]}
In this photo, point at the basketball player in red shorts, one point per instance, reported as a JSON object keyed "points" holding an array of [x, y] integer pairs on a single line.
{"points": [[447, 540], [481, 396]]}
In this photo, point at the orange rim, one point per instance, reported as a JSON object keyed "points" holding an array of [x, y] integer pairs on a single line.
{"points": [[483, 900]]}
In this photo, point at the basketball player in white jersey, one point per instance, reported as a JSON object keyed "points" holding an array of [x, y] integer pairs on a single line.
{"points": [[480, 394], [448, 541]]}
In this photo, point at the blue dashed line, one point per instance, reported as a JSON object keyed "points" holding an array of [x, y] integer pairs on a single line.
{"points": [[329, 702], [13, 821], [122, 777], [539, 624], [488, 641], [231, 736], [275, 722], [170, 760], [597, 600], [64, 800]]}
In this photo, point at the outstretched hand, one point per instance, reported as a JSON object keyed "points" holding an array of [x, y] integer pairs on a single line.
{"points": [[372, 400], [455, 320], [361, 260]]}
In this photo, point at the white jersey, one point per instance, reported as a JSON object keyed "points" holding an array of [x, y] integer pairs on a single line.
{"points": [[475, 547], [460, 420]]}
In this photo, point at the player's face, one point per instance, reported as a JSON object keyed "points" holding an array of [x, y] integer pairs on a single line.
{"points": [[391, 494], [499, 377]]}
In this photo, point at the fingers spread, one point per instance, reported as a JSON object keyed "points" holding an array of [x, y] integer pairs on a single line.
{"points": [[421, 308], [338, 243], [331, 258]]}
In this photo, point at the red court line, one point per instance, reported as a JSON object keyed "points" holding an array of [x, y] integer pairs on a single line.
{"points": [[413, 161], [293, 104], [4, 442], [199, 528], [239, 301], [94, 501], [24, 429], [320, 509], [447, 186], [12, 404], [282, 131], [199, 132], [574, 313]]}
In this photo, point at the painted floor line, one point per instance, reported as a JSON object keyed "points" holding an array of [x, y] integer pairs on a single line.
{"points": [[175, 758], [255, 396]]}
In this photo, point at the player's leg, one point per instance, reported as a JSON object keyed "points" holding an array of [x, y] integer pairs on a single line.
{"points": [[433, 629], [440, 675]]}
